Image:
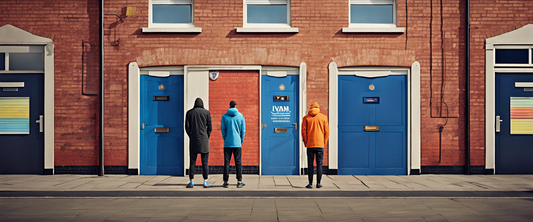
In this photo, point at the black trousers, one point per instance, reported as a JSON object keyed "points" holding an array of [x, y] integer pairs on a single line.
{"points": [[237, 152], [311, 153], [192, 165]]}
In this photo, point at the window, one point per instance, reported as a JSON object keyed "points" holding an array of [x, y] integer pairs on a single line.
{"points": [[267, 16], [26, 61], [2, 61], [171, 16], [512, 56], [372, 16]]}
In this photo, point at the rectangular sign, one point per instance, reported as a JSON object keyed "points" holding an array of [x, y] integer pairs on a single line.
{"points": [[521, 115], [370, 99], [14, 115]]}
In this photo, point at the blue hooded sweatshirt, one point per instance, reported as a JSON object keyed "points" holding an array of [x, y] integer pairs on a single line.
{"points": [[233, 128]]}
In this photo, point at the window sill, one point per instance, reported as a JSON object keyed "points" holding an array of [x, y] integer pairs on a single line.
{"points": [[266, 30], [373, 30], [173, 30]]}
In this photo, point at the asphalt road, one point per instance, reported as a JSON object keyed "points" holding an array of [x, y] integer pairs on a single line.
{"points": [[265, 208]]}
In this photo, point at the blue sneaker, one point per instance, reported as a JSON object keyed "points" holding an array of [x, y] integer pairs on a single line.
{"points": [[190, 185], [206, 185]]}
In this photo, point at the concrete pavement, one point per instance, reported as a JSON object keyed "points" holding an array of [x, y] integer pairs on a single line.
{"points": [[267, 198]]}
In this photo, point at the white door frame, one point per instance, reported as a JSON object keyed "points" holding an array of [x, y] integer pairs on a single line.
{"points": [[413, 111], [17, 40], [519, 38], [196, 84]]}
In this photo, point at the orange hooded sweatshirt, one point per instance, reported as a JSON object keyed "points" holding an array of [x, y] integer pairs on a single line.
{"points": [[315, 128]]}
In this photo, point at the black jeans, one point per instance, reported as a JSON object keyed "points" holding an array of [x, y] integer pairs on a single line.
{"points": [[311, 153], [237, 152], [192, 165]]}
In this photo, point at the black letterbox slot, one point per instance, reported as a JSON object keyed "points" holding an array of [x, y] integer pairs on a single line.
{"points": [[160, 98]]}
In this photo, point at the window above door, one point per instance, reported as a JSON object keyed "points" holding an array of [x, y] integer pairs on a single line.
{"points": [[171, 16], [267, 16], [372, 16]]}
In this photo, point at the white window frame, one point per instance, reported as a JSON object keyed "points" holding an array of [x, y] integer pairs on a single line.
{"points": [[171, 27], [266, 27], [513, 65], [373, 27]]}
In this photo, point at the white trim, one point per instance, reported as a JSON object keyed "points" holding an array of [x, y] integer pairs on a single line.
{"points": [[413, 109], [303, 112], [11, 84], [333, 151], [159, 73], [266, 27], [522, 38], [373, 27], [523, 84], [134, 118], [11, 35], [276, 73], [196, 77], [173, 29], [267, 30], [373, 30]]}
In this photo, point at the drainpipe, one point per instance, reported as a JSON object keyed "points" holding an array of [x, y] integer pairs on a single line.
{"points": [[101, 94], [467, 99]]}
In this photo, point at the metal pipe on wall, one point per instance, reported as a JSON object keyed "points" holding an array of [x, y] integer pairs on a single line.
{"points": [[101, 95], [467, 99]]}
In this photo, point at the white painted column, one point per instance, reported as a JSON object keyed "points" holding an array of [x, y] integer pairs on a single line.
{"points": [[49, 107], [333, 116], [415, 118], [134, 117]]}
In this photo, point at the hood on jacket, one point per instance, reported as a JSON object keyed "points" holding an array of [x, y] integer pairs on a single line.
{"points": [[198, 103], [314, 109], [232, 111]]}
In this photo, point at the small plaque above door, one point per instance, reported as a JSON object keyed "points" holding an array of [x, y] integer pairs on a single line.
{"points": [[160, 98]]}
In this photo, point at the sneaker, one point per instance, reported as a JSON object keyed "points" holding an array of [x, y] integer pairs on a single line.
{"points": [[206, 184], [225, 185], [240, 184], [309, 186], [318, 185], [190, 185]]}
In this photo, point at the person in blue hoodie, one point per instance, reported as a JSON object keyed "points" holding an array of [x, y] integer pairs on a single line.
{"points": [[233, 129]]}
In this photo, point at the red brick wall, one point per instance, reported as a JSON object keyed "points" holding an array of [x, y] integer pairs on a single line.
{"points": [[243, 88], [488, 19], [441, 53], [68, 24]]}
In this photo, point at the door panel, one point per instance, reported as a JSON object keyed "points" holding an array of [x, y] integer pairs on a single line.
{"points": [[279, 104], [514, 151], [161, 108], [22, 153], [373, 102]]}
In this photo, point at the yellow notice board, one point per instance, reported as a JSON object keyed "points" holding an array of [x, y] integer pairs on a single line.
{"points": [[14, 115], [521, 115]]}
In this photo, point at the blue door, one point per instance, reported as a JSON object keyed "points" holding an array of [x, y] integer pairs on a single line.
{"points": [[22, 141], [372, 125], [279, 108], [514, 142], [161, 125]]}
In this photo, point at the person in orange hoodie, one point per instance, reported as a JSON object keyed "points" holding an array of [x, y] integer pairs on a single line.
{"points": [[315, 133]]}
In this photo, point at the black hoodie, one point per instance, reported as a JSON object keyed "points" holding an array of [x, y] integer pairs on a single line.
{"points": [[198, 127]]}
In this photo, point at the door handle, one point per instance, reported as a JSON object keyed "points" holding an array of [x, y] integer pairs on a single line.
{"points": [[295, 126], [498, 124], [263, 126], [144, 124], [41, 123]]}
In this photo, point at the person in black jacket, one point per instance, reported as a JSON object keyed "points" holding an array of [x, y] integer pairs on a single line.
{"points": [[198, 128]]}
